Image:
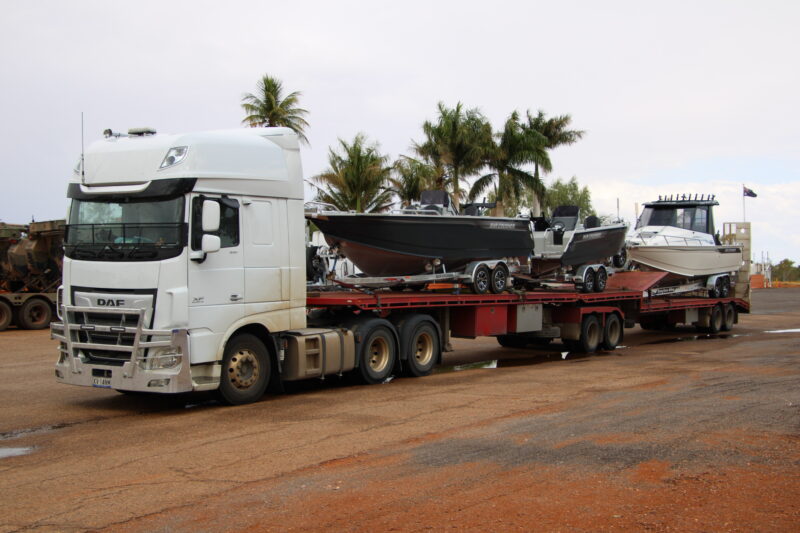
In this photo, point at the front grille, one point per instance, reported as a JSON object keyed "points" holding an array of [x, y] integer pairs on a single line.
{"points": [[112, 321]]}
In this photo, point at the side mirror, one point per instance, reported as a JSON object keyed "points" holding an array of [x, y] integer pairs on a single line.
{"points": [[210, 243], [210, 217]]}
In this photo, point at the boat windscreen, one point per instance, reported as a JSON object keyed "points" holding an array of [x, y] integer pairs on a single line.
{"points": [[693, 218]]}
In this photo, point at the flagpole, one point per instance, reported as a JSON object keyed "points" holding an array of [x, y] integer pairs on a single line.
{"points": [[744, 214]]}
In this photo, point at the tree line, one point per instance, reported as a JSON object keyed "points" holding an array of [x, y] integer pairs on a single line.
{"points": [[459, 152]]}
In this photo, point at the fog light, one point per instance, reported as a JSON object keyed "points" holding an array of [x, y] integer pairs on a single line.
{"points": [[158, 382]]}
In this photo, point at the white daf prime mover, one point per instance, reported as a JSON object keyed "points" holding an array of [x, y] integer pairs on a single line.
{"points": [[184, 270]]}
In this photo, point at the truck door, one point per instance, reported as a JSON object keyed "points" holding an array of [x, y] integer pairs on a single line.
{"points": [[216, 282], [265, 254]]}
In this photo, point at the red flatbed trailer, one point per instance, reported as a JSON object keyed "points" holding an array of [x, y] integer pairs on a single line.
{"points": [[583, 321]]}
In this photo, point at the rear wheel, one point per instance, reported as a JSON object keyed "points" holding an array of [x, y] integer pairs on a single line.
{"points": [[716, 292], [499, 278], [419, 338], [728, 317], [35, 313], [245, 370], [620, 259], [481, 280], [5, 315], [601, 279], [377, 353], [612, 332], [716, 320], [591, 334]]}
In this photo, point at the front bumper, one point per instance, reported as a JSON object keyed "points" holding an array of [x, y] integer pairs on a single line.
{"points": [[140, 365]]}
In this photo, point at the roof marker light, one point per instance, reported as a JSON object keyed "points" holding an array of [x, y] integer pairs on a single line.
{"points": [[175, 155]]}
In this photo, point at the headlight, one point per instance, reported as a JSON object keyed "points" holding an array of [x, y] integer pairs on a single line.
{"points": [[175, 155], [162, 358]]}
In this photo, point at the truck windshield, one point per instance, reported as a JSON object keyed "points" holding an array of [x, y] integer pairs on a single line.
{"points": [[125, 230]]}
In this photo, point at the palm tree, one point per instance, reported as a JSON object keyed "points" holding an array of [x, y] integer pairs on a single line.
{"points": [[455, 144], [268, 107], [554, 130], [356, 179], [411, 177], [515, 146]]}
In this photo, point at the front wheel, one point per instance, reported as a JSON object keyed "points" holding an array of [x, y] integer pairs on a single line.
{"points": [[481, 280], [245, 370], [587, 284]]}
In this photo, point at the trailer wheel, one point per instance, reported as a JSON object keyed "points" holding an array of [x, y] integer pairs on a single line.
{"points": [[620, 259], [728, 317], [587, 284], [726, 287], [5, 315], [481, 280], [600, 279], [591, 334], [419, 338], [499, 278], [716, 320], [35, 313], [612, 332], [512, 341], [377, 352], [245, 370], [716, 292]]}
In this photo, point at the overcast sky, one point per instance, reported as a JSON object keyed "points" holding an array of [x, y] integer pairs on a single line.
{"points": [[697, 96]]}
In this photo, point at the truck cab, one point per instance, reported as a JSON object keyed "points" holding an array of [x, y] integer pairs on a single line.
{"points": [[176, 248]]}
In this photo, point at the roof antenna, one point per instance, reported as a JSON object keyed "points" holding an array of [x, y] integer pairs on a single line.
{"points": [[83, 172]]}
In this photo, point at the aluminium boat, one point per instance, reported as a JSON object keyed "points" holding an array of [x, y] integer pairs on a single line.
{"points": [[562, 242], [676, 235], [426, 236]]}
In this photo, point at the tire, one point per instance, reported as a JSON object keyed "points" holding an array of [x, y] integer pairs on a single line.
{"points": [[588, 281], [377, 352], [728, 317], [419, 340], [726, 287], [612, 332], [5, 315], [481, 280], [600, 279], [716, 320], [620, 259], [35, 313], [512, 341], [716, 292], [591, 334], [246, 370], [499, 279]]}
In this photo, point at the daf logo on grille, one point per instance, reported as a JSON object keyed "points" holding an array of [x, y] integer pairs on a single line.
{"points": [[109, 302]]}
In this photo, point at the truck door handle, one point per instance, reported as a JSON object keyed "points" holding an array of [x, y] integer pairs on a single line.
{"points": [[236, 297]]}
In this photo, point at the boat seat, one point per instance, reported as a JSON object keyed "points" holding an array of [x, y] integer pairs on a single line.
{"points": [[540, 223], [566, 215], [591, 222]]}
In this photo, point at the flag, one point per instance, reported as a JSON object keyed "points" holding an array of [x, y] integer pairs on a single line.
{"points": [[748, 192]]}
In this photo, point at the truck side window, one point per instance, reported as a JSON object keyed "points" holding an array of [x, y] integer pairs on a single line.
{"points": [[228, 225]]}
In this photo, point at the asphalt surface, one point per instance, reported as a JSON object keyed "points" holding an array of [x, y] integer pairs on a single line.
{"points": [[675, 430]]}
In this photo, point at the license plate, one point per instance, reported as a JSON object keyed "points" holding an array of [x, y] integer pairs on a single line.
{"points": [[101, 382]]}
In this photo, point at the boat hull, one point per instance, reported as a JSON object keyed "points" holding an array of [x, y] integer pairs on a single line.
{"points": [[587, 246], [688, 261], [394, 245]]}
